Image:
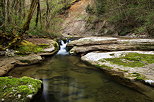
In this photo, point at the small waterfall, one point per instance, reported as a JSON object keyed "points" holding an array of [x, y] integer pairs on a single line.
{"points": [[63, 50]]}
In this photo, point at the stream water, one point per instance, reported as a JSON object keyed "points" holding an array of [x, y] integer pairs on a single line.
{"points": [[67, 79]]}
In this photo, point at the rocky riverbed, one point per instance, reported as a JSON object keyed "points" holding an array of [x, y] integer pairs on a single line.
{"points": [[30, 51], [129, 60]]}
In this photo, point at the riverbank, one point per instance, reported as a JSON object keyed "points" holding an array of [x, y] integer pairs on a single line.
{"points": [[68, 79], [31, 51], [130, 61], [131, 68], [28, 52]]}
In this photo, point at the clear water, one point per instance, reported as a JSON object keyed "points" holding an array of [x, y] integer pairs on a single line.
{"points": [[67, 79]]}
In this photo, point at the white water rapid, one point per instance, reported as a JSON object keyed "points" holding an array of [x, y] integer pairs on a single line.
{"points": [[63, 50]]}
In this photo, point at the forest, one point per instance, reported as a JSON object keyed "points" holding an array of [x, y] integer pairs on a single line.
{"points": [[44, 17], [128, 16], [21, 18]]}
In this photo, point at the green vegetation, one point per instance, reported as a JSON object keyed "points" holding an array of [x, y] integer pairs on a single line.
{"points": [[18, 90], [50, 18], [20, 18], [103, 66], [138, 76], [133, 60], [127, 16], [27, 47]]}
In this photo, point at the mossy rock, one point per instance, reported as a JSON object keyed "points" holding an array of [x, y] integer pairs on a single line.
{"points": [[27, 47], [18, 89], [133, 60]]}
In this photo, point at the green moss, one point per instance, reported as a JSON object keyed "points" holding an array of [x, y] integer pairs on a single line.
{"points": [[138, 76], [103, 66], [133, 60], [11, 88], [27, 47], [56, 45]]}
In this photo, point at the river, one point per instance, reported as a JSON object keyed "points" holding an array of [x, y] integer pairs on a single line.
{"points": [[67, 79]]}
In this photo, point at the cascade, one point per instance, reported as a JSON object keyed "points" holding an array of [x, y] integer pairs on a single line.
{"points": [[63, 50]]}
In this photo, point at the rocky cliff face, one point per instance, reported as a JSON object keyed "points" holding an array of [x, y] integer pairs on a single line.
{"points": [[79, 22]]}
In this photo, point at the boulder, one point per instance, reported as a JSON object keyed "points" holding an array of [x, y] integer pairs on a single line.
{"points": [[18, 89], [28, 60], [51, 49], [40, 46], [6, 64]]}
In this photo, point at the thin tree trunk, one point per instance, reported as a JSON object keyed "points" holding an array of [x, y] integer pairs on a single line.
{"points": [[30, 15], [2, 14], [38, 13]]}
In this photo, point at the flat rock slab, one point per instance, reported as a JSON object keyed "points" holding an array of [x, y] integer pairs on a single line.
{"points": [[88, 44], [136, 41], [50, 50], [92, 41], [112, 47], [7, 63], [143, 72], [108, 40]]}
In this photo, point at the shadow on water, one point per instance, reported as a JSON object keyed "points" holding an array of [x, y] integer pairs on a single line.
{"points": [[67, 79]]}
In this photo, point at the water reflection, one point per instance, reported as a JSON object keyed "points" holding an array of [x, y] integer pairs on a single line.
{"points": [[45, 89], [67, 79]]}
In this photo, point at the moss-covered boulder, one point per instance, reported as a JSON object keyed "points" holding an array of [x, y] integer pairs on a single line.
{"points": [[18, 89], [39, 46]]}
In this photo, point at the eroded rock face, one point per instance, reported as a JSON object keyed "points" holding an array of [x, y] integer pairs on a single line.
{"points": [[28, 60], [7, 63], [93, 41], [80, 23], [89, 44], [18, 89]]}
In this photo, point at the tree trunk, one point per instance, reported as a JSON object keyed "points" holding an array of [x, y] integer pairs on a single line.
{"points": [[38, 13], [2, 15], [30, 15]]}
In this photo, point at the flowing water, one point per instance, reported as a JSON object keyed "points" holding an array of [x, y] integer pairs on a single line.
{"points": [[67, 79], [63, 50]]}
